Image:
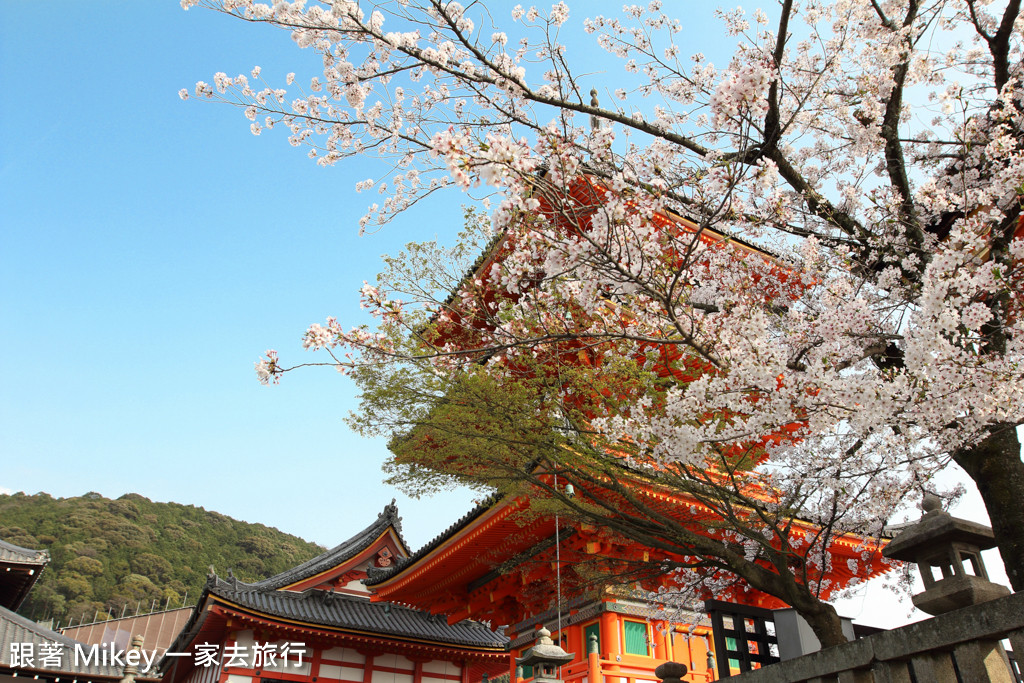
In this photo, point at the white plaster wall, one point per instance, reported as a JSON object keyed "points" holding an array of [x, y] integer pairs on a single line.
{"points": [[357, 586], [292, 665], [245, 638], [390, 677], [393, 661], [439, 666], [330, 672], [340, 673], [344, 654], [435, 679]]}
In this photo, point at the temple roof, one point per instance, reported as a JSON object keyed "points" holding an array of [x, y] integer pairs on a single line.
{"points": [[496, 562], [378, 574], [15, 628], [15, 553], [298, 598], [339, 553], [319, 607], [21, 569]]}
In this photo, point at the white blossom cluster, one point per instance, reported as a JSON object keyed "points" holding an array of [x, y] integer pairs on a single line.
{"points": [[810, 258]]}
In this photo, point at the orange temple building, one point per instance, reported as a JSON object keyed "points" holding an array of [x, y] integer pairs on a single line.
{"points": [[504, 566], [458, 611], [458, 574]]}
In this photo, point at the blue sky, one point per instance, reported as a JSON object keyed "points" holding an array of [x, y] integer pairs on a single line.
{"points": [[153, 249]]}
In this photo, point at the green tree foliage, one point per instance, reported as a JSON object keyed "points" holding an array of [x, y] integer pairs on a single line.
{"points": [[85, 565], [151, 566], [114, 556]]}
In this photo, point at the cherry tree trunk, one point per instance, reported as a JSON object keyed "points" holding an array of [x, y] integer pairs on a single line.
{"points": [[823, 620], [995, 466]]}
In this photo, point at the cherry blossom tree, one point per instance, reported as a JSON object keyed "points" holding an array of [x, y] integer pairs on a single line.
{"points": [[800, 269], [531, 407]]}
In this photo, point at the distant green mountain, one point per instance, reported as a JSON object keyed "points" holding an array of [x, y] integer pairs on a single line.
{"points": [[110, 556]]}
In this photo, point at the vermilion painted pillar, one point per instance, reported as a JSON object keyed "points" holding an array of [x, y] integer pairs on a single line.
{"points": [[669, 651], [610, 634], [610, 639]]}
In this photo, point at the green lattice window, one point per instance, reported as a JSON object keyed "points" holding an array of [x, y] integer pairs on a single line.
{"points": [[636, 637], [731, 646]]}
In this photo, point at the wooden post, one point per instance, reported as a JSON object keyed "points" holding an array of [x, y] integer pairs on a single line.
{"points": [[610, 634], [314, 663], [668, 638], [611, 644]]}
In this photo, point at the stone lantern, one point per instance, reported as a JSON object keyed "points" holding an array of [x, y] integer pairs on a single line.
{"points": [[545, 657], [673, 672], [953, 546]]}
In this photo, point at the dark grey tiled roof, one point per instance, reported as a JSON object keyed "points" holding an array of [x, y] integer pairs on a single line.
{"points": [[15, 553], [315, 606], [339, 553], [15, 628], [378, 574], [23, 569]]}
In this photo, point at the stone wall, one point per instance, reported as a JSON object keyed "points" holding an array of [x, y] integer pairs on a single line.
{"points": [[957, 647]]}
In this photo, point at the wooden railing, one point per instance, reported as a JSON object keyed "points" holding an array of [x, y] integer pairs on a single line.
{"points": [[627, 669], [962, 646]]}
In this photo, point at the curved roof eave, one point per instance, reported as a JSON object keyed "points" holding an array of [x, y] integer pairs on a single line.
{"points": [[340, 553]]}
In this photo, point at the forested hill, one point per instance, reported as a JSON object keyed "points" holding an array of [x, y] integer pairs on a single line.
{"points": [[106, 554]]}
